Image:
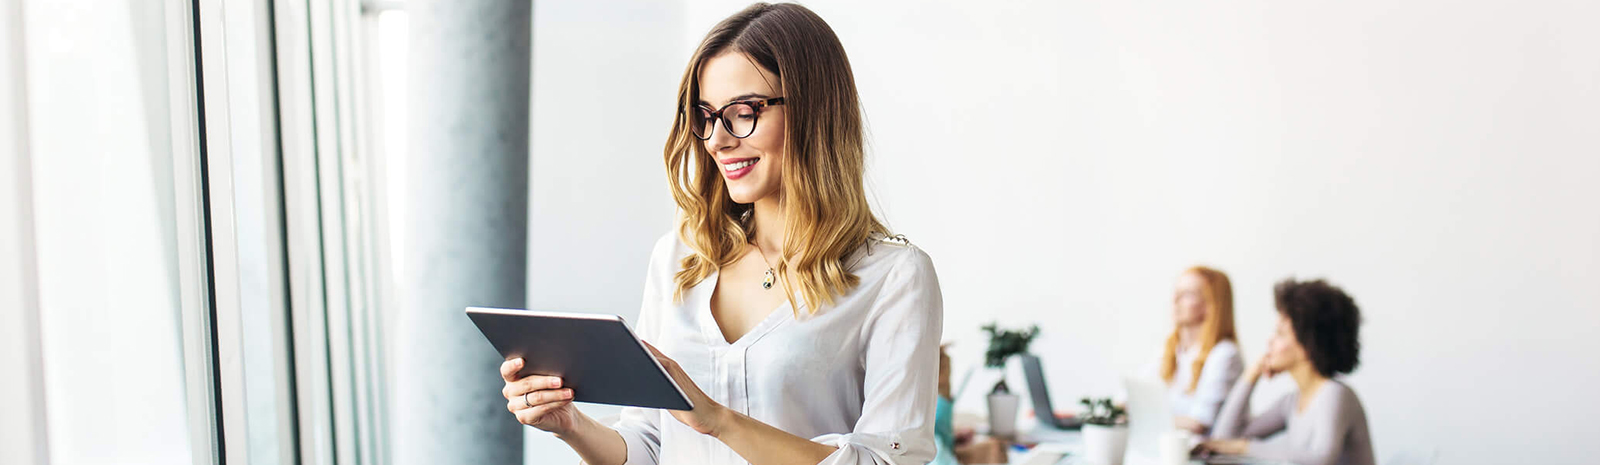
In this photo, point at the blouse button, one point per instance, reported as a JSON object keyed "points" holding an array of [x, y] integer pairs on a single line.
{"points": [[894, 445]]}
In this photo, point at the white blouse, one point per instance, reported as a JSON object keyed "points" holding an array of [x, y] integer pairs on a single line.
{"points": [[861, 375], [1223, 366]]}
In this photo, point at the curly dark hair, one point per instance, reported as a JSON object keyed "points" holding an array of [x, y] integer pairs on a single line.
{"points": [[1325, 320]]}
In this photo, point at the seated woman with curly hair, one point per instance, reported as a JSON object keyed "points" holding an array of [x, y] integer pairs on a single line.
{"points": [[1322, 422]]}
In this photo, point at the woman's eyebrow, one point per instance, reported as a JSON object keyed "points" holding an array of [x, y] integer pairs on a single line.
{"points": [[745, 96]]}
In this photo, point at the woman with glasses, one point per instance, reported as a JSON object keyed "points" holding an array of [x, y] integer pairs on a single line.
{"points": [[800, 329]]}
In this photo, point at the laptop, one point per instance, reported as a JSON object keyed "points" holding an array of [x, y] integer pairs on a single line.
{"points": [[1149, 417], [1042, 407]]}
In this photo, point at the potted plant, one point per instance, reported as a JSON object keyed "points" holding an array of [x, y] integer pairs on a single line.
{"points": [[1105, 431], [1003, 405]]}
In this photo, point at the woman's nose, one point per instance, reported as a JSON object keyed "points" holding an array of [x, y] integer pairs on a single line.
{"points": [[720, 140]]}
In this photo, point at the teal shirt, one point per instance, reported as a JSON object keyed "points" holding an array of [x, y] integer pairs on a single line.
{"points": [[944, 433]]}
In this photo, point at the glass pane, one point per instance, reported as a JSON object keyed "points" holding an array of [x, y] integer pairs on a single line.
{"points": [[740, 117], [104, 212]]}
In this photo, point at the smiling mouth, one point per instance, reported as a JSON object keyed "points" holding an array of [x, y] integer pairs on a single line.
{"points": [[740, 168]]}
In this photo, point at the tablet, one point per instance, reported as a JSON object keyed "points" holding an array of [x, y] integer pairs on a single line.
{"points": [[595, 355]]}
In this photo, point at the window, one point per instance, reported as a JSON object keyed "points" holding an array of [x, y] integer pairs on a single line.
{"points": [[107, 246]]}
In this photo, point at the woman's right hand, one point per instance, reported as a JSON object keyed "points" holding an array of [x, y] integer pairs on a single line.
{"points": [[1262, 368], [538, 401]]}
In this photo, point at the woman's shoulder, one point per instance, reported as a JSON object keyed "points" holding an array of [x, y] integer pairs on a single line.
{"points": [[1336, 400], [898, 287], [666, 245], [666, 259], [1224, 349], [670, 249], [892, 256], [1341, 393]]}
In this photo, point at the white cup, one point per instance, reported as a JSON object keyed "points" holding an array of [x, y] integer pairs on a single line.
{"points": [[1175, 447]]}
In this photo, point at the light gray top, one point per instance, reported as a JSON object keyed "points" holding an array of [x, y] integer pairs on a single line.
{"points": [[1331, 431]]}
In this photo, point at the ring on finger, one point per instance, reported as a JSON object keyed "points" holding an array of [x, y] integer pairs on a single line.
{"points": [[525, 402]]}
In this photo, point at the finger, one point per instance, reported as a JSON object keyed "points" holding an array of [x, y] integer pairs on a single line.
{"points": [[530, 383], [531, 416], [666, 362], [508, 369], [537, 398]]}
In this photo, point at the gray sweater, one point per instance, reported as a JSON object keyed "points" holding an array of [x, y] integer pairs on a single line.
{"points": [[1331, 431]]}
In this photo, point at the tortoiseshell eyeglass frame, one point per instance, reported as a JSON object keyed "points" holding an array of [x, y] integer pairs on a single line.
{"points": [[716, 115]]}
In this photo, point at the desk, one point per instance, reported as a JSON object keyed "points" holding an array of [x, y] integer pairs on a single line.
{"points": [[1051, 441]]}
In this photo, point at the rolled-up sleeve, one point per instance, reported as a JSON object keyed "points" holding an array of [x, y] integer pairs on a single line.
{"points": [[901, 363], [641, 430]]}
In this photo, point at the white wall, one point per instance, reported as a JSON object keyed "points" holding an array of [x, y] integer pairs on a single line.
{"points": [[604, 86], [1430, 157]]}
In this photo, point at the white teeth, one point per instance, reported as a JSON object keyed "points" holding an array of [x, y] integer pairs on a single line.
{"points": [[740, 165]]}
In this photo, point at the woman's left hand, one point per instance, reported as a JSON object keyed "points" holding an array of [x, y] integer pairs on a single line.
{"points": [[708, 416], [1225, 446]]}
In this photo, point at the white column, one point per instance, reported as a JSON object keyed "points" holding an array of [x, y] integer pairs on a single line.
{"points": [[466, 228]]}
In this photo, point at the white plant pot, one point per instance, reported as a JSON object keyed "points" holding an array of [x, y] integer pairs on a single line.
{"points": [[1104, 445], [1003, 408]]}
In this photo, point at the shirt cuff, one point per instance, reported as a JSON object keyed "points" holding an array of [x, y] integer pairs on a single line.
{"points": [[876, 449]]}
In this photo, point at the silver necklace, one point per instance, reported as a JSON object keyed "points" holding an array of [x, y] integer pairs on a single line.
{"points": [[770, 278]]}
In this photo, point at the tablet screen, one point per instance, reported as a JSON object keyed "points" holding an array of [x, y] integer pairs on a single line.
{"points": [[595, 355]]}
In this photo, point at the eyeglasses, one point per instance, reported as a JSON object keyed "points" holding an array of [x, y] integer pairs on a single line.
{"points": [[738, 118]]}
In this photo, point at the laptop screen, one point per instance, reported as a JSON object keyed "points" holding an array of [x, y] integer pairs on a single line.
{"points": [[1034, 371]]}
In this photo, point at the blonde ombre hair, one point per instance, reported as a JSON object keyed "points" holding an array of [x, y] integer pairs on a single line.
{"points": [[825, 209], [1218, 325]]}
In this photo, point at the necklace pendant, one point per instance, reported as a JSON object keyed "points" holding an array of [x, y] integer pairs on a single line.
{"points": [[767, 282]]}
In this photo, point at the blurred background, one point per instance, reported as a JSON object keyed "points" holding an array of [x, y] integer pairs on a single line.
{"points": [[244, 231]]}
